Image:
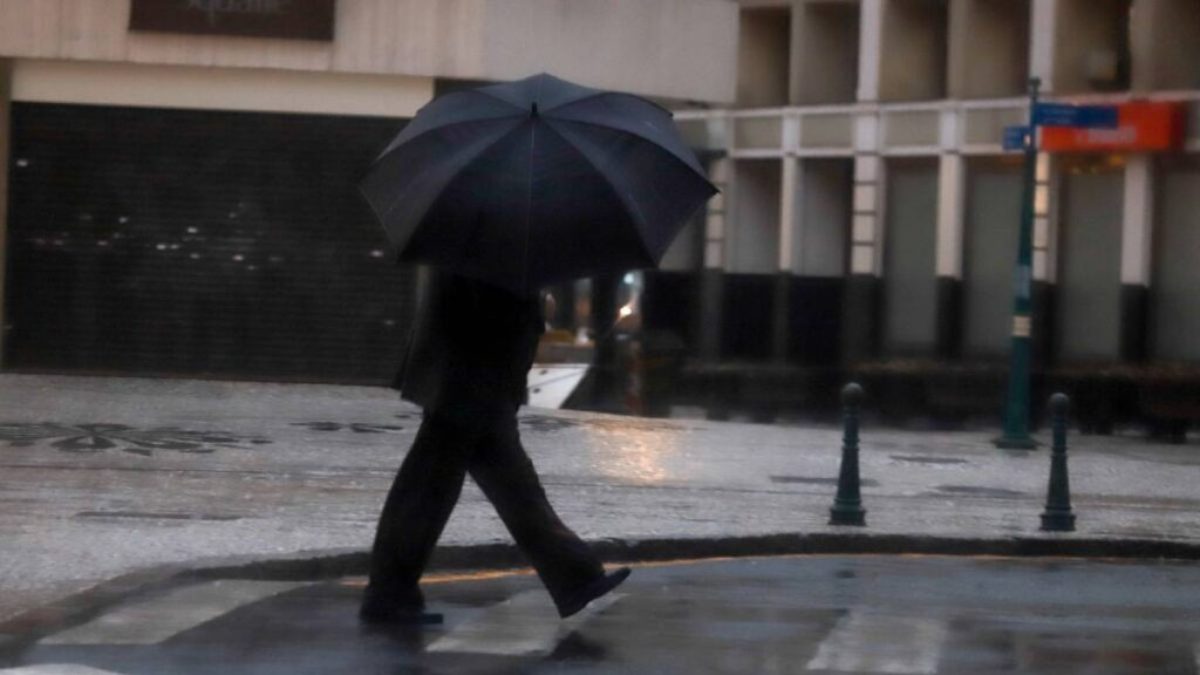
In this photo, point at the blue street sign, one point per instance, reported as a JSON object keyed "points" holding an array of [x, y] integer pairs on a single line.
{"points": [[1015, 137], [1085, 116]]}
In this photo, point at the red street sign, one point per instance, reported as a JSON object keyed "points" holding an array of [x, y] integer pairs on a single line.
{"points": [[1145, 126]]}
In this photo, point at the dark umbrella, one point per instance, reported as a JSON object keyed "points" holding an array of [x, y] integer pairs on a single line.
{"points": [[535, 181]]}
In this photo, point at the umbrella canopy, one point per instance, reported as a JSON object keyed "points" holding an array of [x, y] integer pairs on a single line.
{"points": [[534, 181]]}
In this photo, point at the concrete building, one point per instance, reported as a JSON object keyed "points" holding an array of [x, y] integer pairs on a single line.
{"points": [[868, 224], [177, 177]]}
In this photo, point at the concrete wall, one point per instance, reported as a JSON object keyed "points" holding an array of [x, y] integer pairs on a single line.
{"points": [[1175, 320], [141, 85], [913, 63], [993, 217], [1089, 272], [820, 245], [1165, 41], [1086, 39], [824, 52], [754, 230], [989, 48], [763, 57], [683, 49], [909, 268]]}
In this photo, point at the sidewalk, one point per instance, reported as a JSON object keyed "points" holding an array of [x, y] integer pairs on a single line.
{"points": [[100, 477]]}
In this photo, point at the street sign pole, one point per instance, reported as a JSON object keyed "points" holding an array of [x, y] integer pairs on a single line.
{"points": [[1016, 412]]}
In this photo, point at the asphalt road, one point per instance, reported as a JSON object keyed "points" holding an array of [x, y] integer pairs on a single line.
{"points": [[813, 614]]}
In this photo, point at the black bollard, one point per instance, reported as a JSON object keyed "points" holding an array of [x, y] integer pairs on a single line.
{"points": [[1058, 517], [847, 506]]}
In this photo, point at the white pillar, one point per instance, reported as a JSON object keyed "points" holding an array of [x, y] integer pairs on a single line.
{"points": [[790, 215], [1043, 25], [951, 198], [1137, 226], [870, 48], [866, 228], [714, 222], [1045, 219]]}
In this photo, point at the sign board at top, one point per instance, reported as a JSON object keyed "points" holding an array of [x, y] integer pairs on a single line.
{"points": [[1079, 116], [1142, 126], [295, 19]]}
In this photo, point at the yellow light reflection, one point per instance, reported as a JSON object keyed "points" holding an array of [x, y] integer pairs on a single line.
{"points": [[630, 452]]}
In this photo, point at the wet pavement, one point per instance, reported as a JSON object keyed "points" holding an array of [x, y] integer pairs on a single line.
{"points": [[810, 614], [100, 477]]}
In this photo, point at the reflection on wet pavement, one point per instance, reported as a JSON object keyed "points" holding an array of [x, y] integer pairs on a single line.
{"points": [[818, 614]]}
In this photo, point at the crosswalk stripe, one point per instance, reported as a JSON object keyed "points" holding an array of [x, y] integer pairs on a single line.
{"points": [[524, 625], [158, 619], [56, 669], [862, 642]]}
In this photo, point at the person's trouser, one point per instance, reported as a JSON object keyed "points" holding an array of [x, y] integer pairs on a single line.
{"points": [[429, 482]]}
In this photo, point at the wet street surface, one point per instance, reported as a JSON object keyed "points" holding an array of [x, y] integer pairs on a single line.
{"points": [[102, 477], [801, 614]]}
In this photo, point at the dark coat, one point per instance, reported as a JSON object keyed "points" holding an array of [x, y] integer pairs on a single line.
{"points": [[471, 346]]}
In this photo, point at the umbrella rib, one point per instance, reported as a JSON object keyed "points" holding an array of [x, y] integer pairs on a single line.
{"points": [[640, 137], [479, 151], [639, 219], [394, 146], [598, 94]]}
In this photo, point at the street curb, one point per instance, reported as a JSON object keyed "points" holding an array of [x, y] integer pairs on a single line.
{"points": [[20, 632]]}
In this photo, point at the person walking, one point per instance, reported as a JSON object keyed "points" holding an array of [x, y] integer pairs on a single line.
{"points": [[467, 365]]}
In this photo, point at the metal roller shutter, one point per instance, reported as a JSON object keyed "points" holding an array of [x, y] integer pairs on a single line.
{"points": [[199, 243]]}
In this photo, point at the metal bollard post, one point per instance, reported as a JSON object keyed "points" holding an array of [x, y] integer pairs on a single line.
{"points": [[1058, 517], [847, 506]]}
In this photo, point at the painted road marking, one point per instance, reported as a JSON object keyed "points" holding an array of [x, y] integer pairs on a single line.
{"points": [[862, 642], [56, 669], [156, 620], [524, 625]]}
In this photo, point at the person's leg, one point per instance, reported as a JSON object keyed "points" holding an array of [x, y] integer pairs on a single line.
{"points": [[507, 477], [422, 496]]}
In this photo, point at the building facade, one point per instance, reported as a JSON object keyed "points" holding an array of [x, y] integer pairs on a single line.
{"points": [[177, 183], [869, 220]]}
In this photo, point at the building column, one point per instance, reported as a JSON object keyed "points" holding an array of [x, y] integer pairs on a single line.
{"points": [[712, 274], [861, 320], [870, 48], [1043, 26], [1136, 233], [949, 255], [790, 198], [5, 150], [1045, 250]]}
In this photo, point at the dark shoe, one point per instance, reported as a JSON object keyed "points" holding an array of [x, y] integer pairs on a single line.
{"points": [[580, 598], [377, 609]]}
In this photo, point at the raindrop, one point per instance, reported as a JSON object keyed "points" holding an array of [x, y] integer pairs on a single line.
{"points": [[192, 230], [194, 256], [123, 219], [376, 253], [251, 268], [389, 322], [233, 215], [22, 162], [174, 247], [239, 257], [102, 243], [276, 258], [161, 247]]}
